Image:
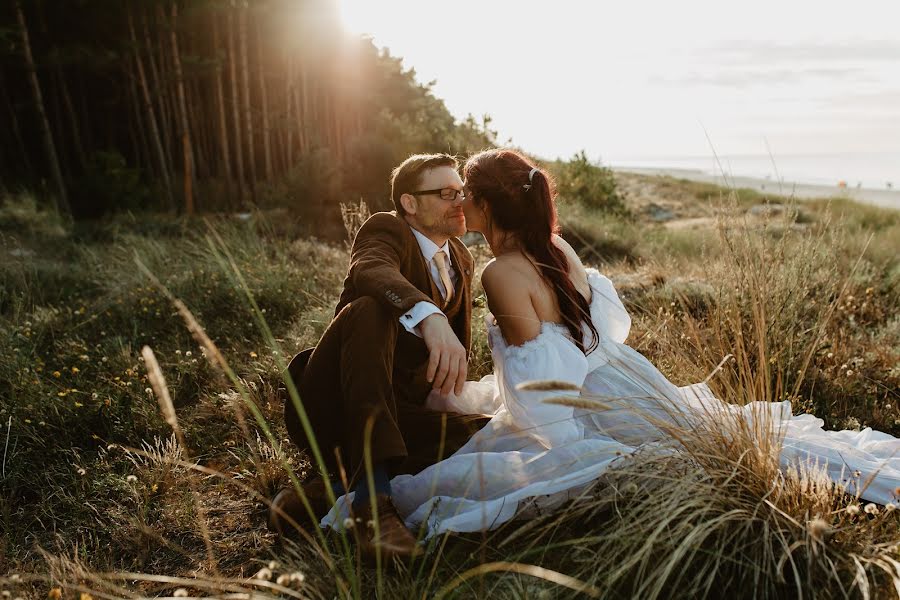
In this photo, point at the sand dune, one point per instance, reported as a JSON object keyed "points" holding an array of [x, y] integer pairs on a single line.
{"points": [[883, 198]]}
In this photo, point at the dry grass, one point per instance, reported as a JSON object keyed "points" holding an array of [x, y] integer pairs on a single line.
{"points": [[711, 514]]}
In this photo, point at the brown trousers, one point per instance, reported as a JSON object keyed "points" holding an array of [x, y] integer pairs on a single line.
{"points": [[351, 377]]}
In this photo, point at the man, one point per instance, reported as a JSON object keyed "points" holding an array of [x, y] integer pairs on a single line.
{"points": [[401, 329]]}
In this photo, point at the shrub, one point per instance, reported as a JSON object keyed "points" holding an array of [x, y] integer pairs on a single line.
{"points": [[590, 184]]}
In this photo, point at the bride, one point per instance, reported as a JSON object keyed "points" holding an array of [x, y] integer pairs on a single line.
{"points": [[554, 320]]}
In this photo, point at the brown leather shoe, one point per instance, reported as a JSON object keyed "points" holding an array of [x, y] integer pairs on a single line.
{"points": [[394, 540], [288, 502]]}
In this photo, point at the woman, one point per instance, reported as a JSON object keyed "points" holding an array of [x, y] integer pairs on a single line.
{"points": [[553, 319]]}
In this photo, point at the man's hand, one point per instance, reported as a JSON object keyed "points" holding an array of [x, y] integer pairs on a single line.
{"points": [[447, 358]]}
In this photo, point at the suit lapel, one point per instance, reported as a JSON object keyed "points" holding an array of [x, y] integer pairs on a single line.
{"points": [[462, 299], [462, 272]]}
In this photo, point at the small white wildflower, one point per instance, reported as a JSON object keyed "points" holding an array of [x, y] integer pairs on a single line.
{"points": [[180, 593], [831, 355], [298, 577], [348, 523], [82, 471], [178, 352], [273, 564], [188, 354], [890, 507], [819, 529], [284, 579], [148, 391], [849, 372], [131, 478], [887, 407], [871, 509], [264, 573], [852, 510]]}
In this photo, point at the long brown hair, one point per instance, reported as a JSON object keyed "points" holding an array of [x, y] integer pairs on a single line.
{"points": [[524, 206]]}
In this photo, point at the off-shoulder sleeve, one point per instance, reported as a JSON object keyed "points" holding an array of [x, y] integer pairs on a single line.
{"points": [[549, 356], [607, 311]]}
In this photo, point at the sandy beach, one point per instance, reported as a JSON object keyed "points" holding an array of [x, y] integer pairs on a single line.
{"points": [[884, 198]]}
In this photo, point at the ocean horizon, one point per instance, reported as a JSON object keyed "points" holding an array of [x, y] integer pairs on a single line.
{"points": [[875, 171]]}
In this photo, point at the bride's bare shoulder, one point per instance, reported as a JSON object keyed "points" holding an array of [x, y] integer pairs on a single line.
{"points": [[508, 269]]}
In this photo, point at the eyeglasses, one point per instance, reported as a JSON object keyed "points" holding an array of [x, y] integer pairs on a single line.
{"points": [[448, 194]]}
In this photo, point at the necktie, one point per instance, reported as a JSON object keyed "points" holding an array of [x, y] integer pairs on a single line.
{"points": [[440, 259]]}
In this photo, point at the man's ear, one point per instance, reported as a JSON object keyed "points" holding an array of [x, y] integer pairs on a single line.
{"points": [[409, 204]]}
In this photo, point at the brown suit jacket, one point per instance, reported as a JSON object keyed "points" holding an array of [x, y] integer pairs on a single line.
{"points": [[386, 263]]}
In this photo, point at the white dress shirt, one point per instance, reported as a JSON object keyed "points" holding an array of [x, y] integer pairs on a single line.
{"points": [[411, 319]]}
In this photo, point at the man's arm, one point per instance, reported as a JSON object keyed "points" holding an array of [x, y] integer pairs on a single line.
{"points": [[375, 261]]}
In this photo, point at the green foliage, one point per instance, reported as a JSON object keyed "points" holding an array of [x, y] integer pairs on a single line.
{"points": [[110, 185], [590, 184]]}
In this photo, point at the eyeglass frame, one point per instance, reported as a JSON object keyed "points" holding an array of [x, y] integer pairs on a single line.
{"points": [[439, 192]]}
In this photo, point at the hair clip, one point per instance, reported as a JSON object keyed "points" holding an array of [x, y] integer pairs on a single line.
{"points": [[531, 173]]}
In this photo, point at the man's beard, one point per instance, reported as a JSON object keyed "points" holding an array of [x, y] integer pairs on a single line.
{"points": [[448, 227]]}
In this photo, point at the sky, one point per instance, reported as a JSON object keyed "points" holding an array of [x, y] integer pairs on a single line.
{"points": [[634, 80]]}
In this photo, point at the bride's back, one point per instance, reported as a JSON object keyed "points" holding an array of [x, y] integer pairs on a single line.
{"points": [[540, 291]]}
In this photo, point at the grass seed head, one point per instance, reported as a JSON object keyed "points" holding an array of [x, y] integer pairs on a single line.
{"points": [[547, 385], [158, 383]]}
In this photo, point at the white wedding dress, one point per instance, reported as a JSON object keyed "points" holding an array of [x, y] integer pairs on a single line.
{"points": [[533, 455]]}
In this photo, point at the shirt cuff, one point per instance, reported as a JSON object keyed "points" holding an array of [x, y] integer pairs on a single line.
{"points": [[411, 319]]}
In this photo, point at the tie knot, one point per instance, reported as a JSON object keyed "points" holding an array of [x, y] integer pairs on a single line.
{"points": [[440, 259]]}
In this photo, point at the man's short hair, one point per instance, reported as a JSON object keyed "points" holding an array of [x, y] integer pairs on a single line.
{"points": [[407, 176]]}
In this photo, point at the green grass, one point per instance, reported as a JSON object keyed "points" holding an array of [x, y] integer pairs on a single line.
{"points": [[95, 485]]}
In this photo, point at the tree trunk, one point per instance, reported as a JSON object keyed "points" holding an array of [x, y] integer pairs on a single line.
{"points": [[185, 122], [144, 157], [289, 129], [62, 204], [200, 127], [220, 97], [158, 87], [245, 82], [235, 106], [17, 131], [73, 118], [303, 109], [87, 132], [264, 101], [151, 118]]}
